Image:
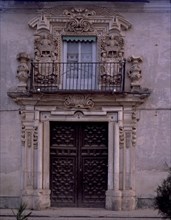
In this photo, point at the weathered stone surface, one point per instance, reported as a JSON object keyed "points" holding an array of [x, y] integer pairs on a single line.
{"points": [[150, 39]]}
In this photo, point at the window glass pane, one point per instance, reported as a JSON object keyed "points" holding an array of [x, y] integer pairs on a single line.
{"points": [[72, 52], [86, 52], [80, 67]]}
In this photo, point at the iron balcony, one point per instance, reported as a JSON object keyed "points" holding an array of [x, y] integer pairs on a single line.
{"points": [[53, 77]]}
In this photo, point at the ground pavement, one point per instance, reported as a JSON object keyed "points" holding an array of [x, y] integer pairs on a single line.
{"points": [[83, 214]]}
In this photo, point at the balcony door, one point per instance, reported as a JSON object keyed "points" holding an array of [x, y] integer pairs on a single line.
{"points": [[79, 69]]}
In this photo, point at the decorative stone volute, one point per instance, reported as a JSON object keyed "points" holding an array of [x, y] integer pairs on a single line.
{"points": [[135, 73], [23, 70]]}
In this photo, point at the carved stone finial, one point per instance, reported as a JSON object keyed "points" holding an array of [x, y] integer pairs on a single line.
{"points": [[135, 73], [115, 28], [43, 24], [23, 70]]}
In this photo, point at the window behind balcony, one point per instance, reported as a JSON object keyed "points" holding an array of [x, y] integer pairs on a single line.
{"points": [[79, 56]]}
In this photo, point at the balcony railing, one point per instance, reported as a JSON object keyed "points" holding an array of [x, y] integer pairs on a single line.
{"points": [[52, 77]]}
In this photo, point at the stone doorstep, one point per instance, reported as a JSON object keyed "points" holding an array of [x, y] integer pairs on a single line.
{"points": [[75, 213]]}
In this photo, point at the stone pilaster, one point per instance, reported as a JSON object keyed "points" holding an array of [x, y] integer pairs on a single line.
{"points": [[113, 194], [128, 168], [33, 193]]}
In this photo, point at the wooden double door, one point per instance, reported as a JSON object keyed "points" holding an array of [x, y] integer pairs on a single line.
{"points": [[78, 163]]}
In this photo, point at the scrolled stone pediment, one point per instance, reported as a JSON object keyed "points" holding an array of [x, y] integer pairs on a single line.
{"points": [[80, 19]]}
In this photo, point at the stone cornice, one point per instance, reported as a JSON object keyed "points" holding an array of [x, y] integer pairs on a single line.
{"points": [[93, 100], [113, 7]]}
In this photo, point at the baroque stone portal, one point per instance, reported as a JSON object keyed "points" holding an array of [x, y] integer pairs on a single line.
{"points": [[117, 110]]}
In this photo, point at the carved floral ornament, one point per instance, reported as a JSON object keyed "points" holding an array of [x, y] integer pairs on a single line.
{"points": [[78, 18]]}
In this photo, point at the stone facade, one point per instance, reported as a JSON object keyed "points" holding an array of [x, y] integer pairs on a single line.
{"points": [[138, 120]]}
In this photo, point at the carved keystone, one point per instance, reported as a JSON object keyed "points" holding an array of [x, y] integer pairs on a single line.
{"points": [[23, 70], [135, 73]]}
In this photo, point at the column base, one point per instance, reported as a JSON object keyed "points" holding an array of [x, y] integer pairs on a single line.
{"points": [[128, 200], [113, 200], [36, 199]]}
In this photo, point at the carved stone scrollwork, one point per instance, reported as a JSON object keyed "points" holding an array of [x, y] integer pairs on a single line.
{"points": [[135, 73], [23, 70], [79, 20], [79, 101], [29, 137]]}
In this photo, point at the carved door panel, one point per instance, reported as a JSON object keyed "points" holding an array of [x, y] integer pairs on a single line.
{"points": [[78, 164]]}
